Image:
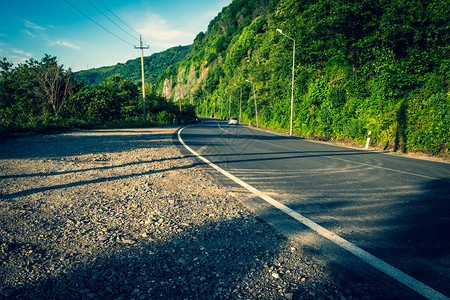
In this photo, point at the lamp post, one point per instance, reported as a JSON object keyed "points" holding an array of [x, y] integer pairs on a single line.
{"points": [[229, 105], [293, 66], [240, 104], [221, 107], [254, 97]]}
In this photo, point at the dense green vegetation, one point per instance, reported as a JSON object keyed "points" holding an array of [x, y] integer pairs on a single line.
{"points": [[154, 65], [40, 96], [363, 65]]}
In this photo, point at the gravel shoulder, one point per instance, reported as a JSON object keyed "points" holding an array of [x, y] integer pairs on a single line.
{"points": [[124, 214]]}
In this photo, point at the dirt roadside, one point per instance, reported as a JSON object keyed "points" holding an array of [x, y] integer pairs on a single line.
{"points": [[123, 214]]}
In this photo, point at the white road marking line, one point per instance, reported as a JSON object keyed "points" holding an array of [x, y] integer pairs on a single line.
{"points": [[346, 160], [379, 264]]}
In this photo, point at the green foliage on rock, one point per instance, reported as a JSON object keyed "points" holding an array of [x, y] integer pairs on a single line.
{"points": [[380, 66]]}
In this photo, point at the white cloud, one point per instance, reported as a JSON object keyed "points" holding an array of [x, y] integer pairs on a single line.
{"points": [[16, 56], [21, 52], [203, 20], [33, 26], [29, 33], [64, 44], [17, 59], [160, 34]]}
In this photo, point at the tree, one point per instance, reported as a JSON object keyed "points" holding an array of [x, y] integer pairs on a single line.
{"points": [[54, 83]]}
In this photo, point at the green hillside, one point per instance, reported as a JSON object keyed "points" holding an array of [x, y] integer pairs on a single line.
{"points": [[380, 66], [154, 66]]}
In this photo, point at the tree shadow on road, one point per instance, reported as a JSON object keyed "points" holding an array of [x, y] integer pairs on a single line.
{"points": [[423, 235]]}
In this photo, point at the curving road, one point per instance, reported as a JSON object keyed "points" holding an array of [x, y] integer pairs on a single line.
{"points": [[391, 212]]}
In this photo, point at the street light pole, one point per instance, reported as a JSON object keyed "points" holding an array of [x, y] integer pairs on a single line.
{"points": [[229, 105], [254, 97], [240, 105], [229, 108], [221, 107], [293, 67]]}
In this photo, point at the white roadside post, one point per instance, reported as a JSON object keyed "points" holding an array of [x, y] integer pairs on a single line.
{"points": [[368, 139]]}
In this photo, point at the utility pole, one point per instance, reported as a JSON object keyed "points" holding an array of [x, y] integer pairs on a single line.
{"points": [[142, 71]]}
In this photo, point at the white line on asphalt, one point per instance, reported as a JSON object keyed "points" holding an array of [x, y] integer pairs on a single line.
{"points": [[346, 160], [384, 267]]}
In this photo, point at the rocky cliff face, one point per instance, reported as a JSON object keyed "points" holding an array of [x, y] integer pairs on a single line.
{"points": [[167, 88], [186, 84]]}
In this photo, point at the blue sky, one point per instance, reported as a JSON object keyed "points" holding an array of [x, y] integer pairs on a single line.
{"points": [[32, 28]]}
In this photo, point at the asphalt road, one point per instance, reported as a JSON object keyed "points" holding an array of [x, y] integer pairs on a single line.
{"points": [[395, 208]]}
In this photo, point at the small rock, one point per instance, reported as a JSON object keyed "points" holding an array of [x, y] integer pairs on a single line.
{"points": [[127, 288], [183, 261], [130, 242], [275, 275], [85, 291]]}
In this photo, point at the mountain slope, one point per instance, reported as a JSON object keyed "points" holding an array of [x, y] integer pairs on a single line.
{"points": [[154, 66], [380, 66]]}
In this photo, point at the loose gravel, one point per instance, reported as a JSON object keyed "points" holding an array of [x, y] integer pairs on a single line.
{"points": [[124, 214]]}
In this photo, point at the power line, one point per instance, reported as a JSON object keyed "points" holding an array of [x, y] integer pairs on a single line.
{"points": [[117, 17], [67, 1], [149, 48], [111, 20], [123, 22]]}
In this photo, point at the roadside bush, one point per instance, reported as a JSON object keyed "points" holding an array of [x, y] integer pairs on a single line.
{"points": [[28, 104]]}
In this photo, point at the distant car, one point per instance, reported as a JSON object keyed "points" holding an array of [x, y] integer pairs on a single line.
{"points": [[233, 121]]}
